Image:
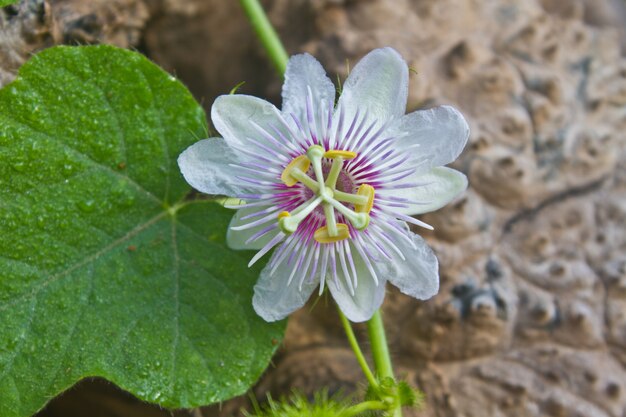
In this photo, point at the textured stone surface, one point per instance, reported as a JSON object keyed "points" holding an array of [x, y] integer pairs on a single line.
{"points": [[31, 25], [531, 317]]}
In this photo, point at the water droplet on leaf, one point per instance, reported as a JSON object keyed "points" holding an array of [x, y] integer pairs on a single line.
{"points": [[87, 206]]}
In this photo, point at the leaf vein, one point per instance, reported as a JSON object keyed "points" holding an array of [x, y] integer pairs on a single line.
{"points": [[55, 277], [176, 278], [161, 136], [70, 334], [23, 331], [84, 157]]}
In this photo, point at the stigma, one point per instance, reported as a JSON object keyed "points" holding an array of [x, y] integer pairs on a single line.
{"points": [[326, 194]]}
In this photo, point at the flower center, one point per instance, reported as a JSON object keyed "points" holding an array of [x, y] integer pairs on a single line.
{"points": [[325, 192]]}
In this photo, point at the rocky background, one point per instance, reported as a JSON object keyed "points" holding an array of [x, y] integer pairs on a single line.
{"points": [[531, 317]]}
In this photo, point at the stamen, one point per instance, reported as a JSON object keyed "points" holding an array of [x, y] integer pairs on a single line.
{"points": [[338, 156], [307, 181], [358, 220], [302, 163], [289, 224], [315, 154], [333, 175], [331, 222], [321, 235], [350, 198], [337, 153], [366, 191]]}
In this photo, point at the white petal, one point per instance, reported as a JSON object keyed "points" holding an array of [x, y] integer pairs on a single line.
{"points": [[274, 299], [433, 190], [304, 72], [418, 275], [236, 239], [368, 295], [438, 134], [236, 115], [377, 87], [206, 166]]}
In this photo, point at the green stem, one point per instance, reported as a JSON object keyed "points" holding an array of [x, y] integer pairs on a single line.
{"points": [[380, 350], [378, 341], [266, 33], [365, 406], [354, 344]]}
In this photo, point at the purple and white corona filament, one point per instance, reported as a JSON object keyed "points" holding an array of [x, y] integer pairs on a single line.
{"points": [[333, 187]]}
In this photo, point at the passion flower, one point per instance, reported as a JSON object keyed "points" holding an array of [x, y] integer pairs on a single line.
{"points": [[332, 187]]}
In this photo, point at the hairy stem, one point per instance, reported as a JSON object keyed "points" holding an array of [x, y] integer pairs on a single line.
{"points": [[365, 406]]}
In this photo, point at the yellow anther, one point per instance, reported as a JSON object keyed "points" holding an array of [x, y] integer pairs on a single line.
{"points": [[302, 163], [367, 191], [321, 235], [283, 214], [335, 153]]}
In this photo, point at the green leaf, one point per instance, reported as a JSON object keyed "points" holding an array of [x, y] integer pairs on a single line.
{"points": [[105, 269], [4, 3]]}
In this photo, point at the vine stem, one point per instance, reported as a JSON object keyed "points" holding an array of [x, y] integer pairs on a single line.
{"points": [[354, 344], [266, 33], [378, 341], [364, 406], [380, 350]]}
